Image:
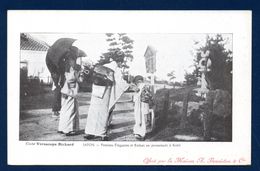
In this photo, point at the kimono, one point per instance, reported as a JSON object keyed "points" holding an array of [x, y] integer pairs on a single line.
{"points": [[102, 102], [69, 115], [143, 115]]}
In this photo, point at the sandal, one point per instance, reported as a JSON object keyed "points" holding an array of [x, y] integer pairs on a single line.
{"points": [[139, 137], [72, 133], [88, 136], [55, 115]]}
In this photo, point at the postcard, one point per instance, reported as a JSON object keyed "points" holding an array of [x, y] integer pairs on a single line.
{"points": [[180, 93]]}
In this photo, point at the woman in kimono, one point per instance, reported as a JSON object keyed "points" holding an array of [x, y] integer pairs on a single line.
{"points": [[57, 70], [107, 88], [69, 114], [143, 101]]}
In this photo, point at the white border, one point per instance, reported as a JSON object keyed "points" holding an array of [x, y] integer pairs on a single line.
{"points": [[236, 22]]}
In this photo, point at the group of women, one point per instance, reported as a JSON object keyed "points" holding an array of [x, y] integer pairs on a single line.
{"points": [[108, 86]]}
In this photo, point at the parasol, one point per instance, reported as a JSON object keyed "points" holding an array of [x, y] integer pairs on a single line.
{"points": [[81, 53], [56, 54], [58, 50]]}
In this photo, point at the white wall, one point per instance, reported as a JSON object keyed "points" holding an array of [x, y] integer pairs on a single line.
{"points": [[36, 64]]}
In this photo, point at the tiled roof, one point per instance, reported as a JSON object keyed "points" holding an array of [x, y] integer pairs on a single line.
{"points": [[27, 42]]}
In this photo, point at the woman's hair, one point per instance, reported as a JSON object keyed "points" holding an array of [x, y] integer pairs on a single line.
{"points": [[72, 54], [137, 78]]}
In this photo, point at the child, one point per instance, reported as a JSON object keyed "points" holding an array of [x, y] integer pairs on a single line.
{"points": [[143, 101], [69, 115]]}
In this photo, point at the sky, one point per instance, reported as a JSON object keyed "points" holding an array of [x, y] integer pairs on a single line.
{"points": [[174, 51]]}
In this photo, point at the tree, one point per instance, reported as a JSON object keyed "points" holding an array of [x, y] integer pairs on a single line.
{"points": [[177, 84], [171, 75], [220, 76], [190, 78], [120, 50]]}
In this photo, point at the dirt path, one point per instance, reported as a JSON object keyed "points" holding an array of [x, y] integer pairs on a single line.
{"points": [[38, 124]]}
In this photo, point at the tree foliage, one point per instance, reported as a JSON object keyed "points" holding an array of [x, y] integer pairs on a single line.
{"points": [[220, 76], [171, 75], [190, 78], [118, 42]]}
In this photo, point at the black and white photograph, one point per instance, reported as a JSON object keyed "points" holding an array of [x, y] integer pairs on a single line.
{"points": [[129, 87], [125, 87]]}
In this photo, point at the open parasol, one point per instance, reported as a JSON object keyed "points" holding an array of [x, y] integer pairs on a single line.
{"points": [[56, 55], [58, 50]]}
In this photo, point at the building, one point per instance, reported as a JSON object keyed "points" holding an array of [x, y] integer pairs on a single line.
{"points": [[32, 58]]}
